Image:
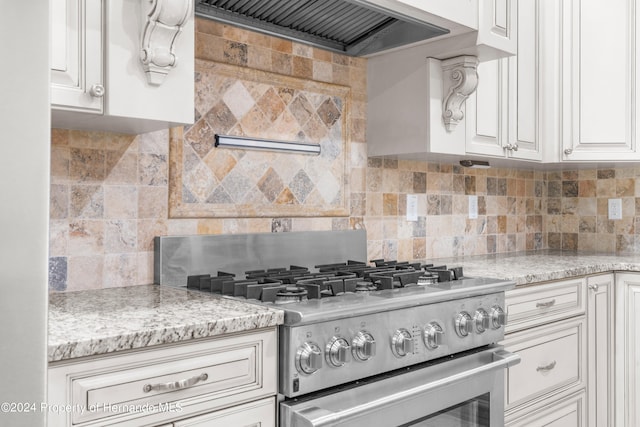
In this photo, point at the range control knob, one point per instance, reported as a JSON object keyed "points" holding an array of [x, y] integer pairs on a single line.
{"points": [[337, 352], [363, 346], [433, 335], [401, 343], [308, 358], [498, 317], [481, 320], [463, 324]]}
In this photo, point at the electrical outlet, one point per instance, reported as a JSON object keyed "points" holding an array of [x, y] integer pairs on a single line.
{"points": [[473, 207], [412, 207], [615, 208]]}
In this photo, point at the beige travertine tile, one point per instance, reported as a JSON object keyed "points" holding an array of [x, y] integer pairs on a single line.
{"points": [[120, 201], [85, 272], [86, 237]]}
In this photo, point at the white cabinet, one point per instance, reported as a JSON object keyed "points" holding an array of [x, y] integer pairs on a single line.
{"points": [[601, 327], [222, 381], [600, 69], [254, 414], [564, 333], [405, 87], [100, 82], [486, 111], [548, 327], [76, 55], [566, 412], [627, 350], [505, 116]]}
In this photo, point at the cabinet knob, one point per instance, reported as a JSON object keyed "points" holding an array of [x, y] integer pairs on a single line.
{"points": [[568, 151], [593, 287], [97, 91]]}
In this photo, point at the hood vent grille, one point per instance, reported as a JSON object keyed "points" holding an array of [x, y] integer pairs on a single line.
{"points": [[344, 26]]}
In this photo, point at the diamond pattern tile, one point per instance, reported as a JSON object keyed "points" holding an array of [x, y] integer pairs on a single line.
{"points": [[220, 182]]}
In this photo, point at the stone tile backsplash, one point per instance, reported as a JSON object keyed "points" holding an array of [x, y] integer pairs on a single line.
{"points": [[110, 193], [577, 210]]}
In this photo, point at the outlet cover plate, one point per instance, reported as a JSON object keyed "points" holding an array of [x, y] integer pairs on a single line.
{"points": [[615, 208], [412, 207], [473, 207]]}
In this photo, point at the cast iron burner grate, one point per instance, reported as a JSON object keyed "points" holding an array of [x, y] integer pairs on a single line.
{"points": [[295, 284]]}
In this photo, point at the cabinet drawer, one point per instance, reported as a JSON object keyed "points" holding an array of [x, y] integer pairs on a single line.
{"points": [[553, 358], [169, 382], [567, 412], [261, 413], [540, 304]]}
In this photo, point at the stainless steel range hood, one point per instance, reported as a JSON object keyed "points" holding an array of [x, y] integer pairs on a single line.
{"points": [[352, 27]]}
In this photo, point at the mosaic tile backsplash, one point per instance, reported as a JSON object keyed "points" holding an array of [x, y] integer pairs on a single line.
{"points": [[110, 193], [218, 182]]}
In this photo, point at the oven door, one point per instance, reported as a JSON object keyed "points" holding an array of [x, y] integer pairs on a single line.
{"points": [[462, 391]]}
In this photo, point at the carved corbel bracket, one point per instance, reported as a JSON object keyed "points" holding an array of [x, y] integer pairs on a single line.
{"points": [[163, 23], [460, 79]]}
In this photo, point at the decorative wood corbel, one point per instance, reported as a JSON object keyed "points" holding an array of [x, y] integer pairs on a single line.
{"points": [[163, 23], [460, 79]]}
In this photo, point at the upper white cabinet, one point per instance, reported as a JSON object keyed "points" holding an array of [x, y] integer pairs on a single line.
{"points": [[76, 55], [407, 88], [123, 66], [486, 111], [599, 80], [505, 115]]}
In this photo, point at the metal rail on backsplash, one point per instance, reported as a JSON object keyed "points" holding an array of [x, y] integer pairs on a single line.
{"points": [[230, 141]]}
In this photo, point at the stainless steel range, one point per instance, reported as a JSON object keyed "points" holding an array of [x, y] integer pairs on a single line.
{"points": [[363, 343]]}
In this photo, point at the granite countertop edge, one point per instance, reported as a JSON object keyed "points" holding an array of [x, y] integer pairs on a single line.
{"points": [[533, 267], [104, 321]]}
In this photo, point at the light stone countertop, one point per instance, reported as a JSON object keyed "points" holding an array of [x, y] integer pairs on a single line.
{"points": [[94, 322], [526, 268], [87, 323]]}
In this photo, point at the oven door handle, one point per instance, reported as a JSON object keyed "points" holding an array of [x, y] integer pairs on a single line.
{"points": [[317, 417]]}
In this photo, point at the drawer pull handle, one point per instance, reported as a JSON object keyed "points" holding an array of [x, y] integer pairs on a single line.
{"points": [[546, 303], [546, 368], [175, 385]]}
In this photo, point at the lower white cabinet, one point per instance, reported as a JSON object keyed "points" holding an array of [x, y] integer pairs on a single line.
{"points": [[229, 380], [571, 336], [601, 327], [254, 414], [627, 355], [553, 359], [566, 412]]}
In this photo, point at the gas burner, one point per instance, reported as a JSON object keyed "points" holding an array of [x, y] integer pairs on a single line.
{"points": [[291, 294], [363, 286], [427, 279], [329, 280]]}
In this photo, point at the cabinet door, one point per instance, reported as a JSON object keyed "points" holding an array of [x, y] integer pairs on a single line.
{"points": [[486, 115], [503, 115], [497, 24], [261, 413], [627, 352], [600, 332], [599, 80], [524, 74], [76, 55]]}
